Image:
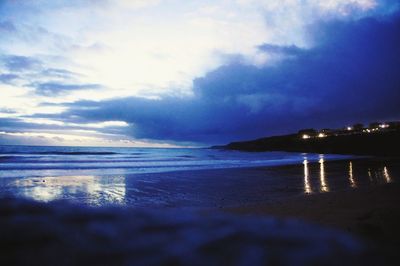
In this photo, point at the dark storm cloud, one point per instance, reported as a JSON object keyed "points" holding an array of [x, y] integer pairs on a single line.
{"points": [[352, 74], [56, 88]]}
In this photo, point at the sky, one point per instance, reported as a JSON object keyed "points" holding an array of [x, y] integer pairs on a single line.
{"points": [[167, 73]]}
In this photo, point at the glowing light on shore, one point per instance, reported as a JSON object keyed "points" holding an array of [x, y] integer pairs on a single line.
{"points": [[351, 177], [307, 186], [349, 128], [324, 185], [321, 135], [305, 136]]}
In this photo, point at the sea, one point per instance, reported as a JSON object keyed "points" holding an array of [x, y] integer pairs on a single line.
{"points": [[37, 161], [172, 177]]}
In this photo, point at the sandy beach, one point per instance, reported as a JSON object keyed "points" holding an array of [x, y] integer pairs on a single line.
{"points": [[372, 213], [342, 212], [60, 233]]}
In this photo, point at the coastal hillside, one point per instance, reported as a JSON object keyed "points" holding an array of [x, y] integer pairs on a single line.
{"points": [[386, 143]]}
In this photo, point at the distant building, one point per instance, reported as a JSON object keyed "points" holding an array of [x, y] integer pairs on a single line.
{"points": [[307, 133], [358, 128], [325, 132]]}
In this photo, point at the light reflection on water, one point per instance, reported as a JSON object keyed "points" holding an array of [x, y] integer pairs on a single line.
{"points": [[322, 177], [95, 190], [369, 175], [372, 176], [101, 190], [380, 176], [323, 183], [307, 186], [386, 175], [353, 183]]}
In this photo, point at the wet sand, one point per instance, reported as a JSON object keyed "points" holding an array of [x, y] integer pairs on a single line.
{"points": [[371, 213], [214, 188]]}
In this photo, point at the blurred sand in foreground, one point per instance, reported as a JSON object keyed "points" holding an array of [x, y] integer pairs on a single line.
{"points": [[372, 213]]}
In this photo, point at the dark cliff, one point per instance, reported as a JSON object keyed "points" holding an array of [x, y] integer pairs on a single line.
{"points": [[376, 143]]}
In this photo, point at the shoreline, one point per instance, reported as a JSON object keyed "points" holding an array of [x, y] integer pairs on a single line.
{"points": [[311, 157], [211, 188]]}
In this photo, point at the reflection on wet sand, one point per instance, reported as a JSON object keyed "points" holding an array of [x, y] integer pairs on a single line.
{"points": [[351, 177], [373, 175], [322, 178], [175, 188], [386, 175], [307, 186], [380, 176], [369, 175], [323, 184], [94, 190]]}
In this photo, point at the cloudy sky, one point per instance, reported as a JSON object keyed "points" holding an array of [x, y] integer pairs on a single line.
{"points": [[169, 72]]}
